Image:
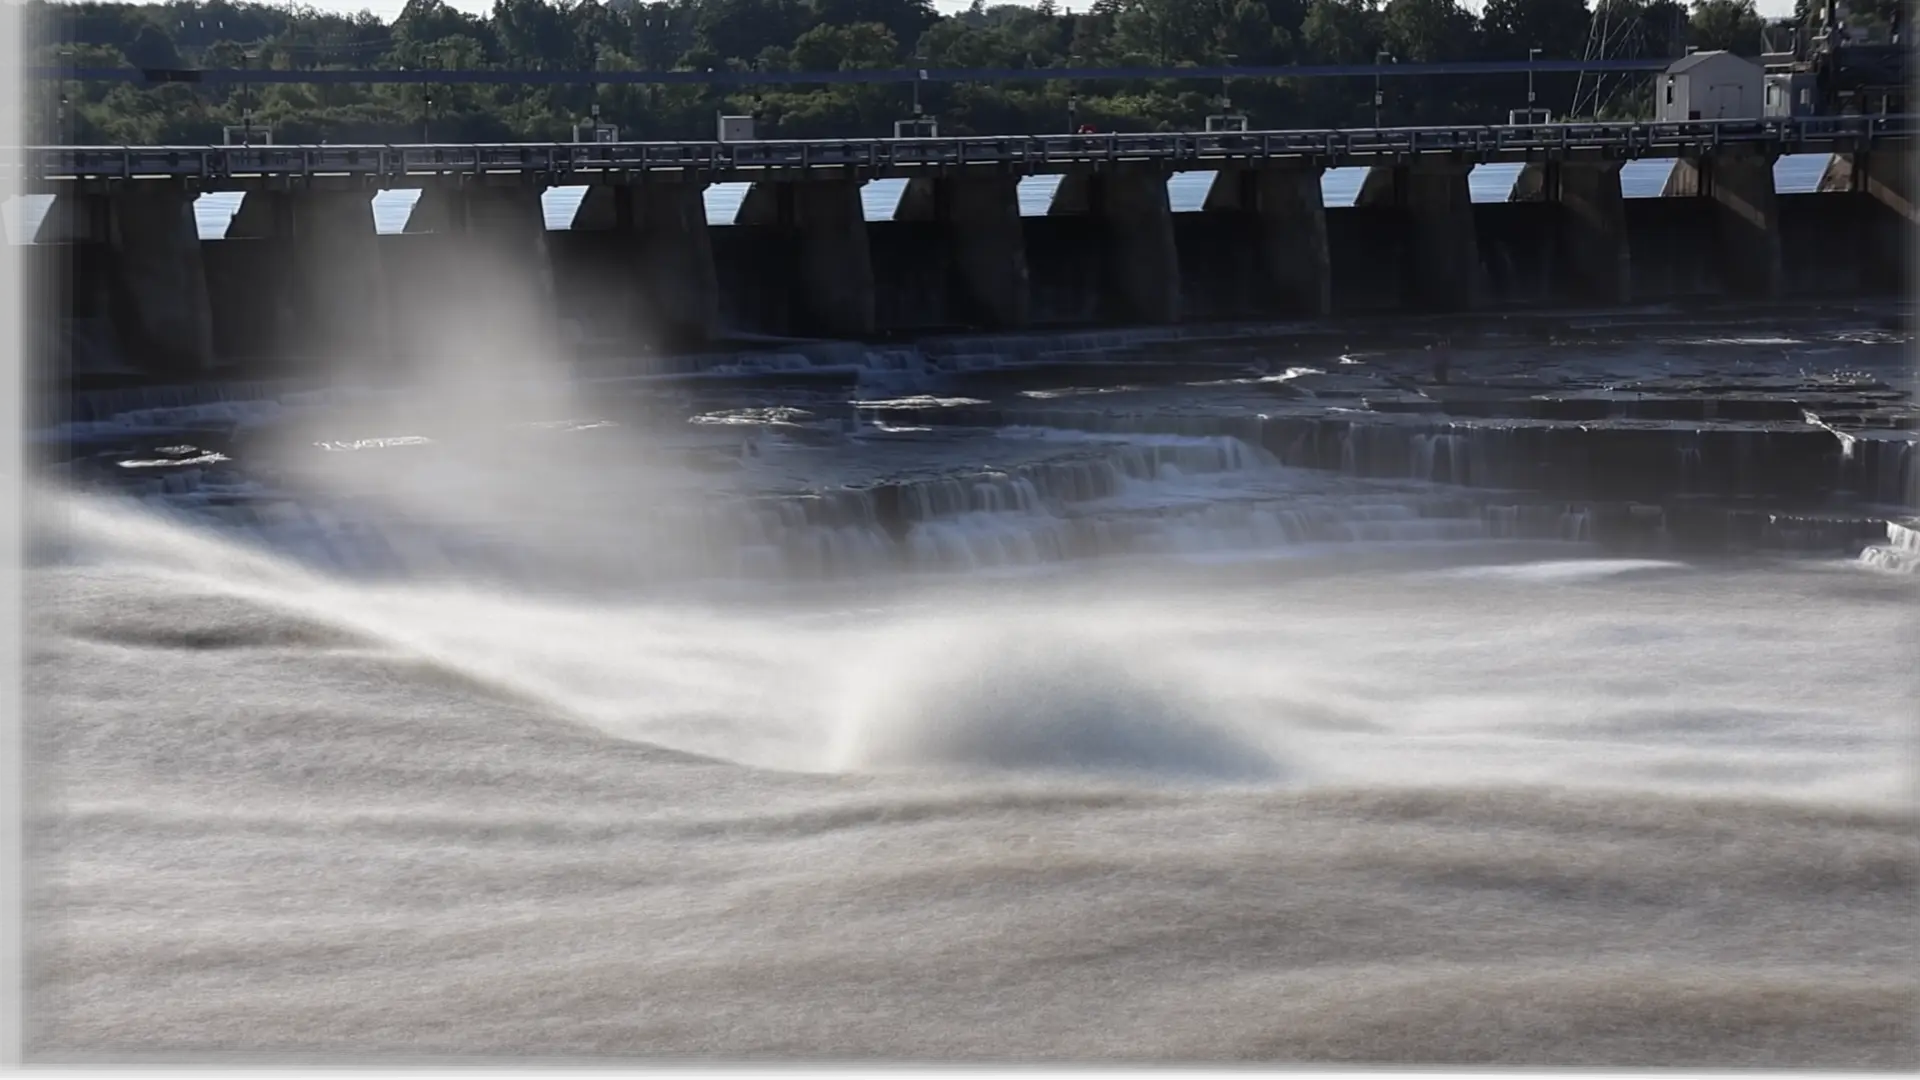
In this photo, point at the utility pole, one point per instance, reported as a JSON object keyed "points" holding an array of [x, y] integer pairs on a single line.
{"points": [[1379, 95]]}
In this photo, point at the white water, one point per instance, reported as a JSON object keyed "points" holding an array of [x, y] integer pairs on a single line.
{"points": [[510, 722], [1392, 808]]}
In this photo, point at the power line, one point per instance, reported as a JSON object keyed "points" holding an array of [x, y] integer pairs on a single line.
{"points": [[501, 76]]}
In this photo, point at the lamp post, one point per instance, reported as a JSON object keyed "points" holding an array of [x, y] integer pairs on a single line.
{"points": [[1532, 55], [60, 102], [1379, 95], [919, 76], [427, 61], [593, 95], [246, 100], [1073, 98]]}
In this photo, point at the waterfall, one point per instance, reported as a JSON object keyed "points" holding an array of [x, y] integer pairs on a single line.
{"points": [[1901, 553]]}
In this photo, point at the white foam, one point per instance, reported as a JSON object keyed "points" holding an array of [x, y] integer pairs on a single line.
{"points": [[1567, 570]]}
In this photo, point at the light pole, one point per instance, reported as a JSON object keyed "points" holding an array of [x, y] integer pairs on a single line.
{"points": [[1073, 98], [919, 75], [246, 101], [759, 98], [1532, 55], [1379, 95], [427, 61], [60, 104]]}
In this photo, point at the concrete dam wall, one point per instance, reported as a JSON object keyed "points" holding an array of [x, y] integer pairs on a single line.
{"points": [[124, 281]]}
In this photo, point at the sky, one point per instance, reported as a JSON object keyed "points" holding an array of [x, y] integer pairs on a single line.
{"points": [[387, 9]]}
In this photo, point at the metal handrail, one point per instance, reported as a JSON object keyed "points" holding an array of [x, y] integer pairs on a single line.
{"points": [[1025, 151]]}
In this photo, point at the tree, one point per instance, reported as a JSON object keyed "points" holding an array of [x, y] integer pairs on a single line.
{"points": [[1733, 25], [532, 33], [1167, 32], [1341, 31], [152, 48], [1427, 31], [846, 48], [742, 28], [906, 20], [1558, 28]]}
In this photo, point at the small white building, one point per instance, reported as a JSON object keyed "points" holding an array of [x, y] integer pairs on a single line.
{"points": [[1710, 86]]}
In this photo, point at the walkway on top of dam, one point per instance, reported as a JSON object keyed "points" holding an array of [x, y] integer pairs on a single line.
{"points": [[213, 168], [1187, 191]]}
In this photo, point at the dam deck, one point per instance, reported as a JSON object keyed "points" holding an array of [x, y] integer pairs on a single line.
{"points": [[245, 167]]}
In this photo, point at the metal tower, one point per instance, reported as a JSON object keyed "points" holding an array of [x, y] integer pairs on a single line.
{"points": [[1615, 32]]}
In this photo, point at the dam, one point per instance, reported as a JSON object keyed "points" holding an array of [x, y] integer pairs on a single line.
{"points": [[303, 272]]}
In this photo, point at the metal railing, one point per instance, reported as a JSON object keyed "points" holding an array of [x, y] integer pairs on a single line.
{"points": [[1019, 153]]}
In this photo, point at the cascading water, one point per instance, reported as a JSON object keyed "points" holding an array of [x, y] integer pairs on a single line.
{"points": [[687, 715], [1901, 553]]}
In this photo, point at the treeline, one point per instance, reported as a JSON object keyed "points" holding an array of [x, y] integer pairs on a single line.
{"points": [[825, 35]]}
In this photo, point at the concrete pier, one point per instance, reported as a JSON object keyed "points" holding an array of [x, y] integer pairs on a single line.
{"points": [[1886, 178], [980, 219], [833, 267], [1443, 255], [639, 261], [76, 219], [1747, 215], [166, 318], [478, 277], [675, 259], [330, 296], [1289, 212], [1141, 261], [1593, 261]]}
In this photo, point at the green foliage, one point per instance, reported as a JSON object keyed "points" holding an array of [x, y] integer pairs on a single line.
{"points": [[808, 35]]}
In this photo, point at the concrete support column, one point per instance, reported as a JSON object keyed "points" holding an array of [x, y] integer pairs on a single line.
{"points": [[674, 255], [1143, 265], [336, 295], [155, 240], [1292, 235], [982, 219], [76, 219], [834, 263], [1886, 177], [494, 287], [1746, 212], [1594, 258], [1443, 246]]}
